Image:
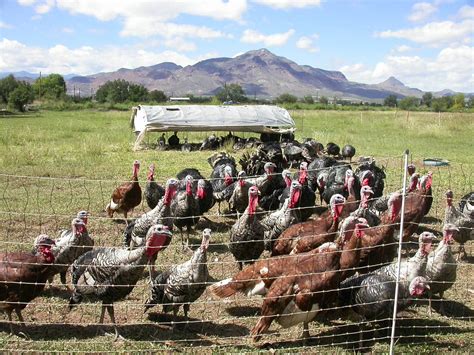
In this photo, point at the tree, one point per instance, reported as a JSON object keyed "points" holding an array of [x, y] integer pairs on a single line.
{"points": [[120, 91], [408, 103], [390, 101], [52, 86], [7, 85], [470, 102], [157, 96], [308, 99], [427, 99], [323, 100], [19, 97], [231, 92], [286, 98], [458, 101], [441, 104]]}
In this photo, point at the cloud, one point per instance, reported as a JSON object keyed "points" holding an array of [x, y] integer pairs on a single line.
{"points": [[306, 43], [466, 12], [285, 4], [421, 11], [68, 30], [26, 2], [44, 7], [84, 60], [5, 25], [451, 68], [277, 39], [403, 48], [147, 28], [180, 45], [434, 33]]}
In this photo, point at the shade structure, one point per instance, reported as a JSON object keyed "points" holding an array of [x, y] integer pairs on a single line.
{"points": [[236, 118]]}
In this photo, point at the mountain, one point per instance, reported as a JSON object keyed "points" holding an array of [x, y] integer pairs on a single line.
{"points": [[24, 75], [260, 72]]}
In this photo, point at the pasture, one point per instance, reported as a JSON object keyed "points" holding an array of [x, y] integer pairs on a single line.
{"points": [[53, 164]]}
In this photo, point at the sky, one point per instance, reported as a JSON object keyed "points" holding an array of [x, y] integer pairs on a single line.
{"points": [[427, 44]]}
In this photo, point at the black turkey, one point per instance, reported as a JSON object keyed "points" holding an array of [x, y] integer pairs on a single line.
{"points": [[348, 152], [185, 210], [153, 191], [275, 199], [318, 171], [333, 149], [223, 172], [110, 274], [246, 235], [370, 174], [182, 284]]}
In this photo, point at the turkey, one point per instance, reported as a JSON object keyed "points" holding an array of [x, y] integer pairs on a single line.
{"points": [[336, 182], [378, 245], [305, 205], [370, 174], [223, 172], [182, 284], [203, 188], [246, 235], [364, 210], [465, 224], [273, 201], [153, 191], [332, 149], [185, 210], [414, 266], [305, 236], [371, 296], [466, 205], [110, 274], [257, 278], [301, 291], [348, 151], [23, 277], [82, 215], [135, 233], [441, 266], [236, 193], [264, 182], [69, 247], [352, 198], [186, 147], [278, 221], [127, 196]]}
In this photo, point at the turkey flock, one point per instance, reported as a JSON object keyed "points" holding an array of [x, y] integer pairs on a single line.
{"points": [[310, 232]]}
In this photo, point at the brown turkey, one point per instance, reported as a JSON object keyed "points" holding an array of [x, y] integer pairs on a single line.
{"points": [[301, 291], [308, 235], [23, 277], [127, 196]]}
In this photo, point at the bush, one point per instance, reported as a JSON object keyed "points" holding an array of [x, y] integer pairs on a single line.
{"points": [[286, 98]]}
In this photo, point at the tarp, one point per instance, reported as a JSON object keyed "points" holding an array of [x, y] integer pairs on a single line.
{"points": [[235, 118]]}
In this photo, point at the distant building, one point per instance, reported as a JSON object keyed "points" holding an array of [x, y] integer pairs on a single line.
{"points": [[179, 99]]}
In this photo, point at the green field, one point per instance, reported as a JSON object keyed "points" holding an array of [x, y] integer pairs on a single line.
{"points": [[53, 164]]}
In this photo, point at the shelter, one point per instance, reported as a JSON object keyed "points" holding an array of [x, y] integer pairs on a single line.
{"points": [[246, 118]]}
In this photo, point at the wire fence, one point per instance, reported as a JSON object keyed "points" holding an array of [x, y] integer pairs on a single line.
{"points": [[42, 205]]}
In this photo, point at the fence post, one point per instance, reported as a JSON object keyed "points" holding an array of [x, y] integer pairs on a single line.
{"points": [[399, 257]]}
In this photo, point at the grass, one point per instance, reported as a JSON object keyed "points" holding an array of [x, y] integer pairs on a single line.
{"points": [[53, 164]]}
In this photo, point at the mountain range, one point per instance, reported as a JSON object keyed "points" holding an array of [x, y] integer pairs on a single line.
{"points": [[261, 74]]}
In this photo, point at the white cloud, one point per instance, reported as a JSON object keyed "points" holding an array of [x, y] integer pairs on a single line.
{"points": [[84, 60], [434, 33], [45, 7], [285, 4], [421, 11], [277, 39], [68, 30], [466, 12], [26, 2], [180, 45], [5, 25], [147, 27], [452, 68], [403, 48], [306, 43]]}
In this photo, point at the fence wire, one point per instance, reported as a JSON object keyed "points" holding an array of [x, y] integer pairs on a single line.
{"points": [[41, 205]]}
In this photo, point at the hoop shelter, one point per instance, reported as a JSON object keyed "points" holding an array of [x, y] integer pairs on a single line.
{"points": [[247, 118]]}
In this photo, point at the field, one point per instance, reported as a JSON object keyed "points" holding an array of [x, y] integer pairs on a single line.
{"points": [[53, 164]]}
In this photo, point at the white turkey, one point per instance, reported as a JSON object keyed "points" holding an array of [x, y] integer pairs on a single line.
{"points": [[278, 221], [441, 266], [182, 284], [464, 223], [110, 274]]}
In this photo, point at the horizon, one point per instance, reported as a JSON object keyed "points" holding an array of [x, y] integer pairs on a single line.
{"points": [[425, 45]]}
